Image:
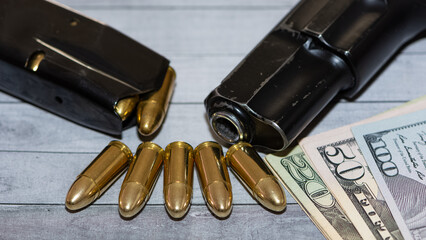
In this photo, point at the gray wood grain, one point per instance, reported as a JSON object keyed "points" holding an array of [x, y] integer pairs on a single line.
{"points": [[181, 3], [104, 222]]}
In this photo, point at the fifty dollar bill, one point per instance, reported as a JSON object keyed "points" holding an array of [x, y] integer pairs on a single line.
{"points": [[334, 153]]}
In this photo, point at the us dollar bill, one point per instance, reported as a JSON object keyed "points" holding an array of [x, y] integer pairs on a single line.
{"points": [[343, 137], [395, 150], [308, 189], [339, 162]]}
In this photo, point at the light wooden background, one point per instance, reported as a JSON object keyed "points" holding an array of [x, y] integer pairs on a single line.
{"points": [[41, 154]]}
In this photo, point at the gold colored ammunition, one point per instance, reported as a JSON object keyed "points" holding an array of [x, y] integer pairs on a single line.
{"points": [[178, 176], [125, 106], [140, 179], [151, 112], [214, 178], [34, 61], [99, 175], [256, 176]]}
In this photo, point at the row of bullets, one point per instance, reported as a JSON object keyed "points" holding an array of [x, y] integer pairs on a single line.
{"points": [[178, 159]]}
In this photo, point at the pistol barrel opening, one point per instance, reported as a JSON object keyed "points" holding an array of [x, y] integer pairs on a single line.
{"points": [[227, 126]]}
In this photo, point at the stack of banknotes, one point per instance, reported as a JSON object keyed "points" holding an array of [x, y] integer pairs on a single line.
{"points": [[366, 180]]}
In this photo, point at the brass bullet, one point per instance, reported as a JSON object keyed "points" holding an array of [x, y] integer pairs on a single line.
{"points": [[98, 176], [151, 112], [178, 178], [125, 106], [214, 178], [35, 60], [140, 179], [256, 177]]}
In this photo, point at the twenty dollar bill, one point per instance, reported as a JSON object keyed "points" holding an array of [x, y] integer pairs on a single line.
{"points": [[308, 189]]}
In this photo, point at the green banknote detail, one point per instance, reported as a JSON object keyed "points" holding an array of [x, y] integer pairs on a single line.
{"points": [[306, 186]]}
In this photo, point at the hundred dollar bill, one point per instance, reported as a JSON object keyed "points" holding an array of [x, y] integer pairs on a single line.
{"points": [[343, 137], [308, 189], [395, 150], [339, 162]]}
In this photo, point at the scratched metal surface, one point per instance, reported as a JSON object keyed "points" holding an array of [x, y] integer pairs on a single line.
{"points": [[41, 154]]}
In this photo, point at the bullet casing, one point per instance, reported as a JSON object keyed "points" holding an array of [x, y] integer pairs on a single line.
{"points": [[256, 177], [125, 107], [99, 175], [178, 178], [34, 61], [214, 178], [151, 112], [140, 179]]}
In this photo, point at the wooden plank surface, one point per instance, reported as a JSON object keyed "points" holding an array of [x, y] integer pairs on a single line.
{"points": [[181, 3], [104, 222], [41, 154]]}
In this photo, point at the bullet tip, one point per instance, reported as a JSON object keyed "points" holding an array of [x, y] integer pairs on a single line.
{"points": [[150, 117], [125, 107], [218, 196], [177, 198], [132, 199], [82, 193], [269, 194]]}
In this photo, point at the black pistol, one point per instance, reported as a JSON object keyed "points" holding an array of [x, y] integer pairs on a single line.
{"points": [[322, 48], [74, 66]]}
